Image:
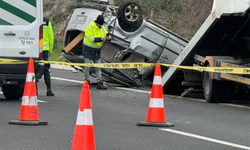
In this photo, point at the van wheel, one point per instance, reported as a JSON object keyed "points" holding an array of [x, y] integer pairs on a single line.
{"points": [[211, 88], [130, 16], [12, 91]]}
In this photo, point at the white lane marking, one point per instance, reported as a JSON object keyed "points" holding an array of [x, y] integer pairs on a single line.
{"points": [[63, 79], [207, 139], [202, 100], [235, 105], [149, 92], [40, 101], [134, 90], [192, 99]]}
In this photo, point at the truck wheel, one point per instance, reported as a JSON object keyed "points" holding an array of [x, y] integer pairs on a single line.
{"points": [[130, 16], [211, 88], [12, 91]]}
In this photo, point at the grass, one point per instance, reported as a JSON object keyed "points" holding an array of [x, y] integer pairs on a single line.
{"points": [[56, 55]]}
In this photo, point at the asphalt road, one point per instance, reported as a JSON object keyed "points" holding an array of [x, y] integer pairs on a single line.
{"points": [[116, 111]]}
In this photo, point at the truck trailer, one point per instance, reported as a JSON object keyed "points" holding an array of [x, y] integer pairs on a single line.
{"points": [[223, 40]]}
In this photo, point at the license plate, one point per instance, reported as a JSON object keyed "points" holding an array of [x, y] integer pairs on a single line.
{"points": [[80, 19]]}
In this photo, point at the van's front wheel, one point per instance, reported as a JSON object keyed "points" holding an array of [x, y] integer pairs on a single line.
{"points": [[12, 91]]}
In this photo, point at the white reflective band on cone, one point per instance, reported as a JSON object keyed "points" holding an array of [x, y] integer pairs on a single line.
{"points": [[157, 80], [156, 102], [30, 77], [84, 117], [29, 100]]}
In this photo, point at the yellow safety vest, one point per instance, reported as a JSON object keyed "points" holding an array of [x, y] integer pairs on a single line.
{"points": [[48, 36], [93, 31]]}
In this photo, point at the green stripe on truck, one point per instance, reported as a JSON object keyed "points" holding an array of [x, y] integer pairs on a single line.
{"points": [[31, 2], [3, 22], [16, 11]]}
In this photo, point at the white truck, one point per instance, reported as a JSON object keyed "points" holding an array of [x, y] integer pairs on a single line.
{"points": [[222, 41], [21, 35]]}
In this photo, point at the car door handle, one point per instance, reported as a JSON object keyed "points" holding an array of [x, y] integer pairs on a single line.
{"points": [[155, 53], [10, 34], [165, 57]]}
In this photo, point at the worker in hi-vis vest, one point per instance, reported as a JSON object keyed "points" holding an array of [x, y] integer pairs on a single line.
{"points": [[48, 43], [95, 35]]}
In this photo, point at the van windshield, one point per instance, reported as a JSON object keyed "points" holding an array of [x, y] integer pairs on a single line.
{"points": [[17, 12]]}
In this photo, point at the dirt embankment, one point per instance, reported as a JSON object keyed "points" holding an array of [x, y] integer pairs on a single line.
{"points": [[183, 17]]}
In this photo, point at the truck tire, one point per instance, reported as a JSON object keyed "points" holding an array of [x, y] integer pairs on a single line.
{"points": [[12, 91], [130, 16], [212, 89]]}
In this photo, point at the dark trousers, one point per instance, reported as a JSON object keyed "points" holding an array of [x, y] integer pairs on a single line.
{"points": [[47, 77]]}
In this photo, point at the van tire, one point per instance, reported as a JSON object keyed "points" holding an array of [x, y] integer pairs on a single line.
{"points": [[130, 16], [12, 91]]}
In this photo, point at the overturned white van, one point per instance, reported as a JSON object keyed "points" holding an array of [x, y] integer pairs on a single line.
{"points": [[134, 40], [21, 34]]}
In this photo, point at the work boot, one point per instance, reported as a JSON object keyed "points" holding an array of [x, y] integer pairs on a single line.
{"points": [[101, 86], [49, 92]]}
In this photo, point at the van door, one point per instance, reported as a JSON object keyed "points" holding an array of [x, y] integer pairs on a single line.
{"points": [[20, 21]]}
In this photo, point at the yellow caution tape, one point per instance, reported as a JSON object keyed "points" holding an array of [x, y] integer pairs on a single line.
{"points": [[213, 69], [136, 65], [12, 61], [97, 65], [105, 65]]}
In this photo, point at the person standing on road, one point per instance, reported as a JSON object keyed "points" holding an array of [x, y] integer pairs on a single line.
{"points": [[48, 43], [95, 35]]}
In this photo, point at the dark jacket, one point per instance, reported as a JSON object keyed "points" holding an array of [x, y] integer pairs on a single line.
{"points": [[91, 53]]}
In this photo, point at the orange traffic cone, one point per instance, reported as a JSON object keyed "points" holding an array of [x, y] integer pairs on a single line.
{"points": [[29, 114], [84, 138], [156, 111]]}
